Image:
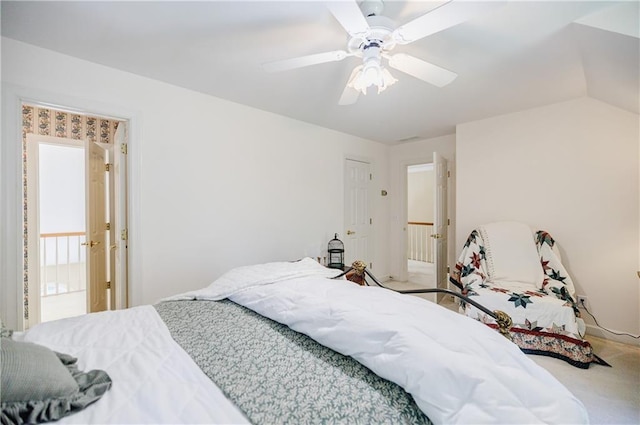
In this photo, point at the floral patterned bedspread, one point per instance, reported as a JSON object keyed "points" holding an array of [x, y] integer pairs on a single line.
{"points": [[546, 319], [276, 375]]}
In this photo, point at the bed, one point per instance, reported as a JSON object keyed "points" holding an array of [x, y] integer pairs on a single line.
{"points": [[286, 343], [510, 267]]}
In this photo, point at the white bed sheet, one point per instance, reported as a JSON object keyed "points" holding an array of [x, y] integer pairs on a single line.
{"points": [[154, 379]]}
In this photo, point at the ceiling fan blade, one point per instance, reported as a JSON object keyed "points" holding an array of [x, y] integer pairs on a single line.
{"points": [[350, 16], [443, 17], [302, 61], [422, 70]]}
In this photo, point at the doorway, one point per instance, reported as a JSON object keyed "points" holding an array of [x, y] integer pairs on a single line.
{"points": [[56, 214], [420, 210], [434, 245], [75, 199]]}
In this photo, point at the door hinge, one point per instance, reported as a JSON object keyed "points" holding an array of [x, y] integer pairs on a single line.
{"points": [[370, 221], [123, 148], [108, 283], [370, 176], [107, 166], [448, 222], [448, 173], [124, 234], [371, 265], [108, 226]]}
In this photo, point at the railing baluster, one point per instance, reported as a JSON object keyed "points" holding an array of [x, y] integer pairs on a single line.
{"points": [[68, 266], [57, 264], [81, 270], [44, 267], [419, 243]]}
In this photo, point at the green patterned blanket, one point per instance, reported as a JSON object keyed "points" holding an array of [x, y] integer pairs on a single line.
{"points": [[276, 375]]}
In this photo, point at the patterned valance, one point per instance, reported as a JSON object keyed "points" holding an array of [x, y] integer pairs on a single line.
{"points": [[51, 122]]}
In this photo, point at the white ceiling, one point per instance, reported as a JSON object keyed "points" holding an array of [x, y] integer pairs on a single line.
{"points": [[519, 56]]}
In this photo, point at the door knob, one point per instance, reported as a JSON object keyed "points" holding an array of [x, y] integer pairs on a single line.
{"points": [[436, 236], [350, 232], [91, 244]]}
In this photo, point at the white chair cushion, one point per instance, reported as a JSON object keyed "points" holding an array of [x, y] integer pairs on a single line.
{"points": [[511, 253]]}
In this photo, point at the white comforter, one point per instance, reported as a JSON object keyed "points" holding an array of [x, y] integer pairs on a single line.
{"points": [[457, 369], [154, 379]]}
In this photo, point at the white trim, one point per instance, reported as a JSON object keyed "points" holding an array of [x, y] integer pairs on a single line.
{"points": [[600, 333], [418, 168], [13, 97], [52, 140], [11, 212]]}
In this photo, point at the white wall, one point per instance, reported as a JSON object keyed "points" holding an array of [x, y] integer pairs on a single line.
{"points": [[215, 184], [400, 156], [572, 169], [420, 192]]}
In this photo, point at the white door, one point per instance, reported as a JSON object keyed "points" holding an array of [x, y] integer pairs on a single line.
{"points": [[118, 218], [440, 220], [96, 213], [357, 220]]}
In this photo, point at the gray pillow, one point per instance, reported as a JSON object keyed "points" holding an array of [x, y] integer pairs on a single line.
{"points": [[38, 385]]}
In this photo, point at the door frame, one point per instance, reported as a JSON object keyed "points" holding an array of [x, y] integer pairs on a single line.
{"points": [[11, 211]]}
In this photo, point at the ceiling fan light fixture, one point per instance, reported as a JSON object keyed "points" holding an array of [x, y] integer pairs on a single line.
{"points": [[387, 80], [371, 73]]}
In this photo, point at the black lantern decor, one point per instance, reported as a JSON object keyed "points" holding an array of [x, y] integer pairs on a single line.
{"points": [[336, 253]]}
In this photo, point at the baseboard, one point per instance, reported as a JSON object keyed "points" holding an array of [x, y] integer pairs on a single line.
{"points": [[597, 332]]}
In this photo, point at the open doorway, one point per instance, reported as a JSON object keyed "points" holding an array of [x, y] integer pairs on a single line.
{"points": [[424, 247], [56, 235], [74, 200], [420, 211]]}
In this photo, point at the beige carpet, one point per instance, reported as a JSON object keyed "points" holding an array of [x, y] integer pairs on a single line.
{"points": [[611, 395]]}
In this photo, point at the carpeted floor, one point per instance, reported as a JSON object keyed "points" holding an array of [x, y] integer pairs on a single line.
{"points": [[611, 395]]}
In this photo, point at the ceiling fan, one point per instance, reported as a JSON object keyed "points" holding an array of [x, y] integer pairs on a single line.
{"points": [[372, 37]]}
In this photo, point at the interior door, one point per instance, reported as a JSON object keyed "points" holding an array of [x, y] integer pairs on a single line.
{"points": [[440, 220], [96, 177], [33, 230], [118, 218], [357, 219]]}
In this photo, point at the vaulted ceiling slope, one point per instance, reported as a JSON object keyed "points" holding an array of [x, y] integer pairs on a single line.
{"points": [[519, 55]]}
